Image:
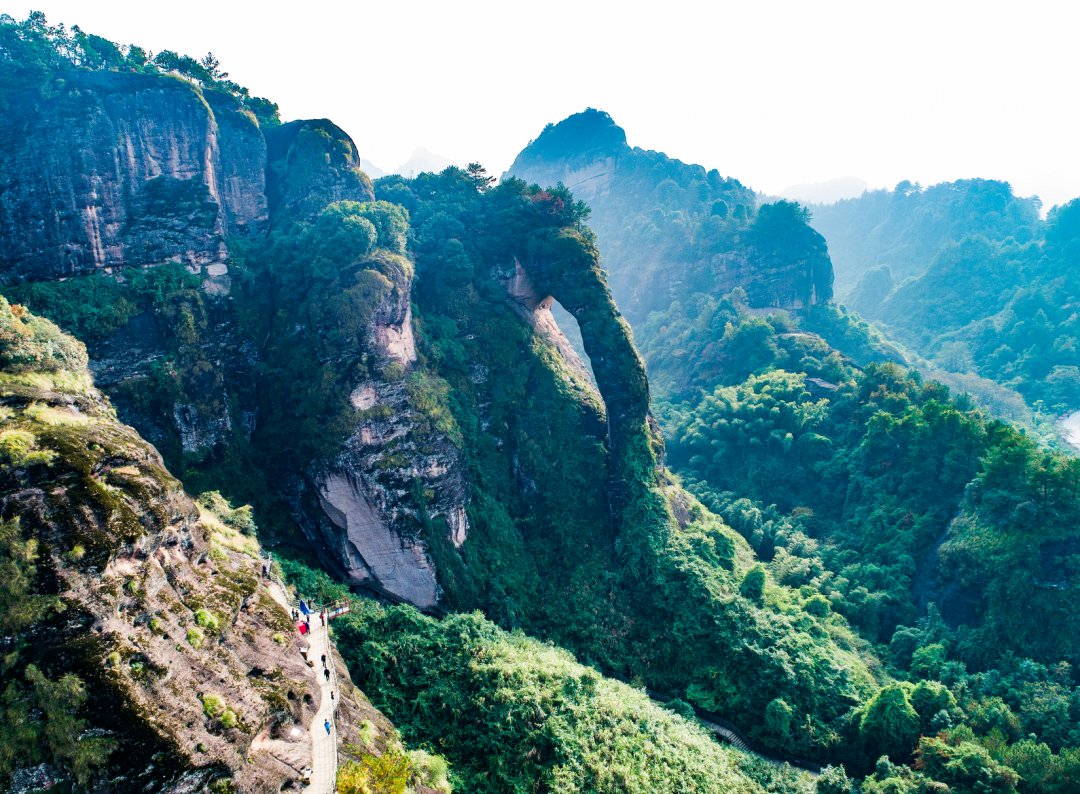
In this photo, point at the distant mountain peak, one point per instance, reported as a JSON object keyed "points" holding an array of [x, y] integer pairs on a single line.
{"points": [[591, 133], [828, 192], [422, 160]]}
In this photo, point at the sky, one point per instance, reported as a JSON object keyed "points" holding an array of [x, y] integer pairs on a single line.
{"points": [[772, 93]]}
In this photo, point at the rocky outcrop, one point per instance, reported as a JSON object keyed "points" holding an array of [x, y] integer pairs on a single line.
{"points": [[394, 477], [125, 169], [191, 665], [311, 164], [564, 265], [122, 169]]}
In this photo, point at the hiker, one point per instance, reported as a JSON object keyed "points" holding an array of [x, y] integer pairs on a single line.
{"points": [[324, 660], [326, 672], [322, 618], [331, 696], [307, 622], [326, 724]]}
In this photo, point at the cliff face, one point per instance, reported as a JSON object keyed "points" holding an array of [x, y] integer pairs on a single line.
{"points": [[101, 171], [668, 230], [125, 169], [367, 515], [184, 664]]}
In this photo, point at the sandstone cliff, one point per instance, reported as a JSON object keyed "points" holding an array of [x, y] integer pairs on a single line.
{"points": [[312, 163], [101, 171], [125, 169]]}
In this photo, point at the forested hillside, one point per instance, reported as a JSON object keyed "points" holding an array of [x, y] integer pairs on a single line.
{"points": [[763, 516], [879, 492], [669, 230], [968, 277]]}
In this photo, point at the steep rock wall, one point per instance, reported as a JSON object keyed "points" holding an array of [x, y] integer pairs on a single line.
{"points": [[120, 170], [565, 265], [125, 169], [368, 513]]}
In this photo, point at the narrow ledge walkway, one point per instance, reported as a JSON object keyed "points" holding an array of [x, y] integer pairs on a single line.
{"points": [[324, 761], [323, 742]]}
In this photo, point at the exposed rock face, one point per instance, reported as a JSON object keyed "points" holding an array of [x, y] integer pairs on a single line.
{"points": [[368, 547], [161, 604], [369, 516], [535, 309], [121, 170], [564, 265], [125, 169], [312, 163]]}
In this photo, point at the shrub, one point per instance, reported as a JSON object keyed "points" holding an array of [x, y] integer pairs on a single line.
{"points": [[889, 724], [430, 771], [753, 584], [778, 716], [33, 344], [213, 705], [195, 638], [388, 773], [19, 449], [206, 619]]}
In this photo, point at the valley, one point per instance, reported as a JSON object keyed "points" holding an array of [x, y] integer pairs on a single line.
{"points": [[620, 495]]}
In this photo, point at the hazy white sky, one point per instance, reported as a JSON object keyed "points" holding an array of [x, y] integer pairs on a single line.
{"points": [[773, 93]]}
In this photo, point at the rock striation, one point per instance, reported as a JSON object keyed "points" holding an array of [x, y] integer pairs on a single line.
{"points": [[370, 494], [126, 169], [104, 171]]}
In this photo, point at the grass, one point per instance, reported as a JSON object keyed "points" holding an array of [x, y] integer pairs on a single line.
{"points": [[50, 415], [19, 449], [213, 705]]}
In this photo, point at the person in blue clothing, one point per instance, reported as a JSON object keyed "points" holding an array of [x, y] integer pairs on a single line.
{"points": [[326, 724]]}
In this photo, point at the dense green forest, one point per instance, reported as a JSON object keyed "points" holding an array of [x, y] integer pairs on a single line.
{"points": [[839, 556], [936, 531], [969, 278], [906, 227], [34, 52], [515, 714], [883, 495]]}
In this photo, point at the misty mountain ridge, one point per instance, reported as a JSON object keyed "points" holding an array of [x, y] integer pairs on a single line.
{"points": [[608, 492]]}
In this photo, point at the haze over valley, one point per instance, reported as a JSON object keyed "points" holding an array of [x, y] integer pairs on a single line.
{"points": [[559, 462]]}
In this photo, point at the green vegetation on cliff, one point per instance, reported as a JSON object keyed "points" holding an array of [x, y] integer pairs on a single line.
{"points": [[575, 534], [33, 52], [669, 230]]}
